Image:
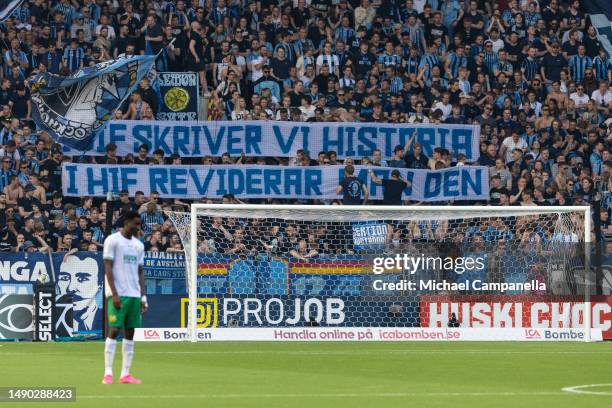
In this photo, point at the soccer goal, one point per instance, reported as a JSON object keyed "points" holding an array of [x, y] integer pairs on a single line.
{"points": [[297, 272]]}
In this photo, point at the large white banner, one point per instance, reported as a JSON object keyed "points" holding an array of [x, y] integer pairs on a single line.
{"points": [[253, 181], [282, 139]]}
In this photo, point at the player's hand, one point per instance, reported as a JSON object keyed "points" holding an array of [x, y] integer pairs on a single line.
{"points": [[116, 301], [143, 307]]}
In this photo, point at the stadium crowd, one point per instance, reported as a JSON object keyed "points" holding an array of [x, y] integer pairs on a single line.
{"points": [[532, 74]]}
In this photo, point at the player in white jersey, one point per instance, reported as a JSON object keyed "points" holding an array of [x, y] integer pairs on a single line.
{"points": [[125, 298]]}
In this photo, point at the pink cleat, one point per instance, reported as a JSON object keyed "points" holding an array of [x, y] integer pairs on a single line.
{"points": [[108, 379], [128, 379]]}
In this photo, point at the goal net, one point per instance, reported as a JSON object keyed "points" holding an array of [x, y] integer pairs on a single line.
{"points": [[387, 273]]}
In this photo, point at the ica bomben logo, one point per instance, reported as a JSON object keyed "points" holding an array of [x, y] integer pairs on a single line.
{"points": [[207, 310]]}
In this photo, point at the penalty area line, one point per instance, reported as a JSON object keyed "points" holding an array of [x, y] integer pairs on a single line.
{"points": [[328, 395], [584, 389]]}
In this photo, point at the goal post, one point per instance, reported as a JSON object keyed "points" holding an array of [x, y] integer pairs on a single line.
{"points": [[278, 272]]}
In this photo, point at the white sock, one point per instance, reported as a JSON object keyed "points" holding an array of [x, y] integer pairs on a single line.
{"points": [[128, 354], [109, 355]]}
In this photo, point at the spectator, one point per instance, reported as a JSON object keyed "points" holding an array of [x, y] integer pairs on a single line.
{"points": [[393, 187], [536, 80], [351, 188], [151, 217]]}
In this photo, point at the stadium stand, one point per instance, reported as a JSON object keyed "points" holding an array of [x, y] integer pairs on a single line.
{"points": [[532, 74]]}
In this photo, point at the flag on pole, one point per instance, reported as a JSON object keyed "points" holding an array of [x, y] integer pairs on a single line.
{"points": [[73, 109], [7, 7]]}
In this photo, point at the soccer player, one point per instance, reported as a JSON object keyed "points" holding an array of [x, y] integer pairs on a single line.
{"points": [[123, 267]]}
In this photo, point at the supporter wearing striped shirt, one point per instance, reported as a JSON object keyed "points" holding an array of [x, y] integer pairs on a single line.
{"points": [[579, 63], [602, 66], [530, 65], [395, 81], [389, 58], [303, 42], [151, 217], [22, 14], [58, 27], [219, 13], [52, 60], [490, 56], [408, 10], [477, 47], [287, 46], [503, 65], [96, 11], [456, 60], [6, 172], [462, 80], [415, 33], [531, 15], [509, 14], [412, 62], [180, 13], [428, 61], [345, 32], [73, 56], [16, 57], [30, 161], [66, 10]]}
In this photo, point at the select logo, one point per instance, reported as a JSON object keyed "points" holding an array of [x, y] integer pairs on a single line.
{"points": [[44, 315]]}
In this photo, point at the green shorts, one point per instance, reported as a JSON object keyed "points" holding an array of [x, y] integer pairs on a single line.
{"points": [[128, 316]]}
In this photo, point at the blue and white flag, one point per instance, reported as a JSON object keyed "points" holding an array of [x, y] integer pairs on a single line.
{"points": [[7, 7], [600, 14], [73, 109]]}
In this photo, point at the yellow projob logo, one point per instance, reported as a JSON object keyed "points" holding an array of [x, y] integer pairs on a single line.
{"points": [[207, 310], [112, 318], [176, 99]]}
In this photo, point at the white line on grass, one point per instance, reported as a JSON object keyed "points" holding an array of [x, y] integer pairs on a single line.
{"points": [[377, 352], [582, 389], [327, 395], [325, 353]]}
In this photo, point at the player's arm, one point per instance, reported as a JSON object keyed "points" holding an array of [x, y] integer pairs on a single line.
{"points": [[339, 190], [108, 271], [141, 279], [143, 305], [109, 258]]}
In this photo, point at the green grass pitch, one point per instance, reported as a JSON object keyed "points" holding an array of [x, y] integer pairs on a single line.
{"points": [[355, 375]]}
